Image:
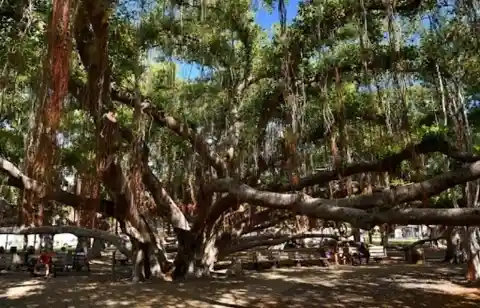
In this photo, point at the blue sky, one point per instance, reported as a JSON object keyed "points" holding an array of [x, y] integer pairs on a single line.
{"points": [[264, 18]]}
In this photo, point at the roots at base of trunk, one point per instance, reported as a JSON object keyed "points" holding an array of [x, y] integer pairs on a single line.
{"points": [[185, 261], [141, 262], [473, 248], [415, 255], [195, 258]]}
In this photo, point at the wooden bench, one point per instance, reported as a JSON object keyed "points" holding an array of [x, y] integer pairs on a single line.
{"points": [[277, 257], [120, 257], [347, 257], [80, 262], [63, 261], [377, 253], [306, 256], [6, 261]]}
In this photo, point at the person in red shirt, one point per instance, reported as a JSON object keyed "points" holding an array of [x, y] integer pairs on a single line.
{"points": [[47, 260]]}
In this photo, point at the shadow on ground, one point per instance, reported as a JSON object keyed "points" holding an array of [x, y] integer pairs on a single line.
{"points": [[363, 286]]}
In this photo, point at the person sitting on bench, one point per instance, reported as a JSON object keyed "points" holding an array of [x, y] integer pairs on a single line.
{"points": [[346, 256], [363, 253]]}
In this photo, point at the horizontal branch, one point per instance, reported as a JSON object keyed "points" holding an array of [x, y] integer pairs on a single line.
{"points": [[350, 209], [423, 241], [17, 178], [115, 240], [276, 239]]}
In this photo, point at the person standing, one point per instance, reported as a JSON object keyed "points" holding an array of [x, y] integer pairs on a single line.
{"points": [[46, 258]]}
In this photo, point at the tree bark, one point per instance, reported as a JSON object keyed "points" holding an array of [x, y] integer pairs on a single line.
{"points": [[269, 240], [185, 260], [97, 247], [344, 209], [473, 249], [117, 241], [451, 250], [83, 245], [41, 151]]}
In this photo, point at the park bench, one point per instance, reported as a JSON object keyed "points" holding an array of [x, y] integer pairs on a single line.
{"points": [[6, 261], [304, 256], [63, 261], [348, 257], [261, 258], [120, 257], [116, 255], [80, 261], [377, 253]]}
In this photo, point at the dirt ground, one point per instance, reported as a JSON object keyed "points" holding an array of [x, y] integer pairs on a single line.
{"points": [[397, 285]]}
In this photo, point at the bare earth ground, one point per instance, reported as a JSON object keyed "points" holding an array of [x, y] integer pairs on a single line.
{"points": [[394, 285]]}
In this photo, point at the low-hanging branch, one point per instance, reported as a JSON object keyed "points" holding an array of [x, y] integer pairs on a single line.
{"points": [[17, 178], [348, 209], [387, 198], [115, 240], [273, 239]]}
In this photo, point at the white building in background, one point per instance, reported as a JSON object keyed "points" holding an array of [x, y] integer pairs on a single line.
{"points": [[409, 232], [14, 240]]}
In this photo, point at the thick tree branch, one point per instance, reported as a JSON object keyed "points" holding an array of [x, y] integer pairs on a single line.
{"points": [[115, 240], [169, 209], [423, 241], [165, 203], [274, 239], [20, 180], [348, 209]]}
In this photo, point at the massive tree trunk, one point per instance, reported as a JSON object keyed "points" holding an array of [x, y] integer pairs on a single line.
{"points": [[451, 250], [185, 261], [201, 246], [135, 225]]}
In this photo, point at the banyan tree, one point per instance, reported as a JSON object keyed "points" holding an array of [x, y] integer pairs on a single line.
{"points": [[359, 112]]}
